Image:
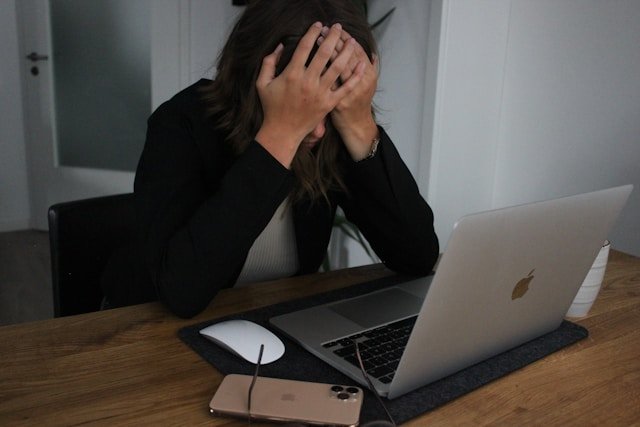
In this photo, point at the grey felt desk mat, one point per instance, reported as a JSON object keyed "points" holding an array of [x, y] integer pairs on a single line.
{"points": [[298, 364]]}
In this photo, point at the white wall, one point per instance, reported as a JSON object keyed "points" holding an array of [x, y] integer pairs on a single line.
{"points": [[401, 84], [14, 195], [469, 50], [571, 110], [536, 99]]}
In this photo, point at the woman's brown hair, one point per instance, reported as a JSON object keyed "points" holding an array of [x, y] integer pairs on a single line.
{"points": [[232, 96]]}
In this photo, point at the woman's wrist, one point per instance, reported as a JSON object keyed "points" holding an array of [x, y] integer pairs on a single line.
{"points": [[281, 144], [359, 139], [373, 149]]}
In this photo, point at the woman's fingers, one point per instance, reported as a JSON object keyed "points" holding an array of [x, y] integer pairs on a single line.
{"points": [[268, 69], [325, 51], [349, 84], [303, 50], [358, 55], [339, 65], [376, 62]]}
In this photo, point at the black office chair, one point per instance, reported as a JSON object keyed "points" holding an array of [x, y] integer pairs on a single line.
{"points": [[83, 235]]}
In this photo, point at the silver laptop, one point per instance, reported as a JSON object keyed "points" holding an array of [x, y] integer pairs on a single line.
{"points": [[506, 277]]}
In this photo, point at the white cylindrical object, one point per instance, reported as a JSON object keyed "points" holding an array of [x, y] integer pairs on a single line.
{"points": [[591, 285]]}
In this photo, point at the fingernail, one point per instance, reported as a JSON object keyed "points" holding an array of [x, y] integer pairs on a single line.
{"points": [[320, 39], [317, 24], [325, 30], [337, 26]]}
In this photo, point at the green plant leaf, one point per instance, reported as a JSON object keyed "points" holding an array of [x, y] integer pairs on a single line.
{"points": [[326, 264], [353, 232], [345, 229], [381, 20]]}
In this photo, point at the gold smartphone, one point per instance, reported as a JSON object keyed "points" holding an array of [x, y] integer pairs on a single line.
{"points": [[276, 399]]}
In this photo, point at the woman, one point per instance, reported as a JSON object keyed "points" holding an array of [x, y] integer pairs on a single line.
{"points": [[240, 177]]}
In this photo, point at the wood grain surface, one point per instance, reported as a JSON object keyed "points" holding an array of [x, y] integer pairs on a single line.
{"points": [[128, 367]]}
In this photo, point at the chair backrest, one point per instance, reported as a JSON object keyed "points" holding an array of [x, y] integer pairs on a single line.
{"points": [[83, 234]]}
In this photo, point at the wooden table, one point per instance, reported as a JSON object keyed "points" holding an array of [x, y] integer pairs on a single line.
{"points": [[127, 366]]}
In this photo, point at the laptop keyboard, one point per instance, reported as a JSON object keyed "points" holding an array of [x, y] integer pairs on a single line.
{"points": [[380, 348]]}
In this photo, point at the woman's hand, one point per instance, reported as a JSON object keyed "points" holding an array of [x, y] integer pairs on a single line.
{"points": [[352, 116], [300, 97]]}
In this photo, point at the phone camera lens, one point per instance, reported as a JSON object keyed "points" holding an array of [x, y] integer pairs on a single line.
{"points": [[343, 396], [337, 388], [352, 390]]}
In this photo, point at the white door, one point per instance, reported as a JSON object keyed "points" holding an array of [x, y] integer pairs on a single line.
{"points": [[85, 106]]}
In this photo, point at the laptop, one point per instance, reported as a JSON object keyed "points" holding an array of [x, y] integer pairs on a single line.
{"points": [[507, 276]]}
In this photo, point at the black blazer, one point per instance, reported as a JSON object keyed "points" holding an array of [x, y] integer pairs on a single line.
{"points": [[200, 207]]}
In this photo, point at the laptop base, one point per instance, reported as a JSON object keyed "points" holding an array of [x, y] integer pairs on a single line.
{"points": [[298, 364]]}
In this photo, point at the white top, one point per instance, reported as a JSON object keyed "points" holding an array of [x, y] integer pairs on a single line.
{"points": [[274, 253]]}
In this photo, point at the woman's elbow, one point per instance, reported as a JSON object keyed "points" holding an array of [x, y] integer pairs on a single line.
{"points": [[418, 259], [182, 303]]}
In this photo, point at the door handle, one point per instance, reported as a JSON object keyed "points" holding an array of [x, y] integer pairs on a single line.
{"points": [[35, 57]]}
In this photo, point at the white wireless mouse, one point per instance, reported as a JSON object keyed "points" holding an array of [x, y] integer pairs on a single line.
{"points": [[243, 338]]}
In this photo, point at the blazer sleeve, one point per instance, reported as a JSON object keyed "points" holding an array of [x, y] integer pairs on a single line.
{"points": [[383, 200], [196, 232]]}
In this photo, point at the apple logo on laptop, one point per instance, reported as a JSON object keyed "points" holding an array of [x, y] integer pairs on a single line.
{"points": [[522, 286]]}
